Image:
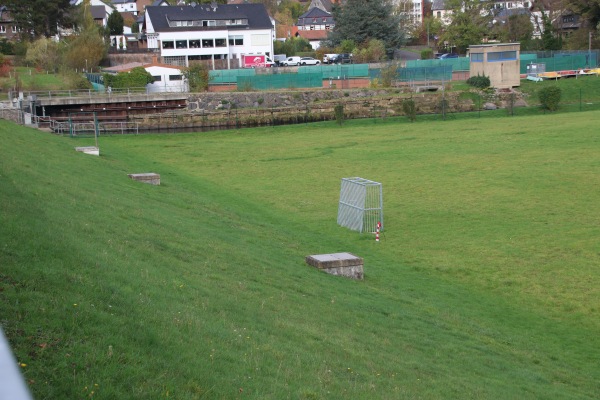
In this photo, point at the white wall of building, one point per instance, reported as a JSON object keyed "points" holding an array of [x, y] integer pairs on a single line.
{"points": [[220, 44], [167, 79], [127, 7]]}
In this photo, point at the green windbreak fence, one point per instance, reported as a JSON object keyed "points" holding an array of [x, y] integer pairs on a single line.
{"points": [[229, 75], [559, 63], [281, 81], [418, 74], [456, 64], [437, 73], [337, 70]]}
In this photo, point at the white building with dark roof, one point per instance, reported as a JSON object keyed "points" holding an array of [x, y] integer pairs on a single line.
{"points": [[209, 32], [126, 6], [316, 19]]}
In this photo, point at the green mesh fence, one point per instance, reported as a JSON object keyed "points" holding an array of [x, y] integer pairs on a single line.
{"points": [[420, 74], [563, 63], [437, 73], [280, 81], [337, 70], [457, 64], [229, 75]]}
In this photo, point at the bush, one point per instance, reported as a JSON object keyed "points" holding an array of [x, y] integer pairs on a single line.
{"points": [[197, 76], [410, 109], [339, 113], [426, 54], [549, 98], [136, 78], [479, 81]]}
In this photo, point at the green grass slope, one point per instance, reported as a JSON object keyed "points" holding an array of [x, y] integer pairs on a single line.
{"points": [[485, 284]]}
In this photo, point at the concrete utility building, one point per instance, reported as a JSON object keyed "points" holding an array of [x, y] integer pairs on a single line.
{"points": [[499, 61]]}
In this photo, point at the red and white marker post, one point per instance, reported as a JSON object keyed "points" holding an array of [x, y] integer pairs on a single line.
{"points": [[377, 232]]}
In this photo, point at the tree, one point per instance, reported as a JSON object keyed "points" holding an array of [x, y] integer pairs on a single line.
{"points": [[38, 18], [428, 30], [87, 48], [550, 40], [292, 46], [515, 28], [197, 77], [137, 77], [361, 20], [44, 54], [370, 51], [468, 25], [588, 9], [115, 23]]}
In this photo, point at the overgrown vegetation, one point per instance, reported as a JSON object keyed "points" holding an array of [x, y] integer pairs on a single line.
{"points": [[197, 77], [410, 110], [479, 81], [549, 98], [138, 77], [338, 110]]}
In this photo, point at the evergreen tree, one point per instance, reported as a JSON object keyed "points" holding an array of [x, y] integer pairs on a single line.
{"points": [[361, 20], [468, 25], [550, 41], [115, 23], [37, 18]]}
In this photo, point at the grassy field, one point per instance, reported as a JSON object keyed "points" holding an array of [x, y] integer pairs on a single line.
{"points": [[484, 286]]}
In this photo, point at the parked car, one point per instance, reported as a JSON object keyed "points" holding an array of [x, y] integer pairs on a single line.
{"points": [[279, 59], [291, 61], [309, 61], [344, 58], [327, 58], [448, 55]]}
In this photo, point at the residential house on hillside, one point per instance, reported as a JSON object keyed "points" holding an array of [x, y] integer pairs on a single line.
{"points": [[109, 9], [325, 5], [99, 15], [217, 34], [412, 10], [503, 16], [126, 6], [501, 11], [441, 11], [8, 27], [567, 22], [314, 25]]}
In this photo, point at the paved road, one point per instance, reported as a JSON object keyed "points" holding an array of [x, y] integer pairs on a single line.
{"points": [[405, 55]]}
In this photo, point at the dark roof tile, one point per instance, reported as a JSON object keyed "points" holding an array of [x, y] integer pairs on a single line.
{"points": [[255, 13]]}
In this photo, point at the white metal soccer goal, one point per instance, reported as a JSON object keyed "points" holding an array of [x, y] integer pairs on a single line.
{"points": [[361, 205]]}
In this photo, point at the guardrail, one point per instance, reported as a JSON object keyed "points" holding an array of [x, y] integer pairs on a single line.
{"points": [[55, 94]]}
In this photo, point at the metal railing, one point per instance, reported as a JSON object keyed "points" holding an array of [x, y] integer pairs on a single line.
{"points": [[81, 93], [84, 128]]}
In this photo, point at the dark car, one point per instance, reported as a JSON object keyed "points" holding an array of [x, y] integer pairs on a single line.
{"points": [[448, 55], [344, 58]]}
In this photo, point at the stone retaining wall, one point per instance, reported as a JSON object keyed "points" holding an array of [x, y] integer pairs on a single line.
{"points": [[234, 110]]}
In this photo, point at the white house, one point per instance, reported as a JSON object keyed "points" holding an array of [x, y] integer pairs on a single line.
{"points": [[167, 78], [108, 9], [126, 6], [209, 32], [412, 10]]}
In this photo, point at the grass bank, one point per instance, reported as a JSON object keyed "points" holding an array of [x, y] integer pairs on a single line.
{"points": [[484, 284]]}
